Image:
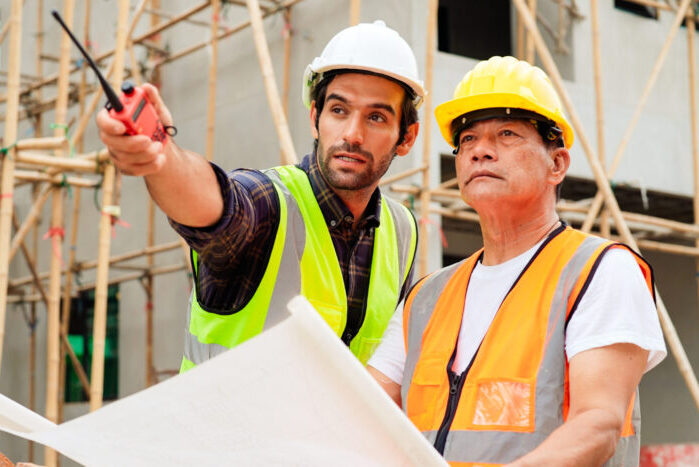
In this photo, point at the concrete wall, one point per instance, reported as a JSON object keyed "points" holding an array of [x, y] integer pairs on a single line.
{"points": [[245, 137]]}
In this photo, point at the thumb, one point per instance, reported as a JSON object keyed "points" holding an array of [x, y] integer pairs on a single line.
{"points": [[154, 97]]}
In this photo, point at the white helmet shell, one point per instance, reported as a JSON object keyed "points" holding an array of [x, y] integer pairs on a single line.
{"points": [[370, 47]]}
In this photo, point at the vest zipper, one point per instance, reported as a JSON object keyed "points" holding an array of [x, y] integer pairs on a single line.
{"points": [[456, 384]]}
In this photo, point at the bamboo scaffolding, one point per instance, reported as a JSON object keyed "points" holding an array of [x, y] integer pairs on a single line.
{"points": [[273, 99], [426, 139], [100, 310], [594, 209], [8, 165], [603, 186], [694, 120]]}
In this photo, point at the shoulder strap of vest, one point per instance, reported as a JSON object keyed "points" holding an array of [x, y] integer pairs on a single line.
{"points": [[406, 232]]}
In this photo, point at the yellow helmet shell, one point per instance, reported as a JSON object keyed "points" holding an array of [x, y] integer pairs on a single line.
{"points": [[504, 82]]}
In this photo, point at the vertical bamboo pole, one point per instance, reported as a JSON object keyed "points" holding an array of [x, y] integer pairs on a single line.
{"points": [[531, 48], [599, 102], [38, 131], [426, 135], [213, 65], [8, 165], [673, 340], [258, 32], [694, 119], [101, 286], [150, 240], [53, 328], [521, 38], [355, 10], [67, 288], [287, 60]]}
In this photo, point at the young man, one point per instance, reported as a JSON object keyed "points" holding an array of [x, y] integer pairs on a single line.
{"points": [[321, 228], [530, 351]]}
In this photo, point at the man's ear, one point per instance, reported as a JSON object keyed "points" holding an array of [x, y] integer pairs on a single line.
{"points": [[314, 112], [560, 162], [408, 139]]}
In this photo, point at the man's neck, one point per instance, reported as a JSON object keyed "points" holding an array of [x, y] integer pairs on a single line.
{"points": [[506, 237], [356, 200]]}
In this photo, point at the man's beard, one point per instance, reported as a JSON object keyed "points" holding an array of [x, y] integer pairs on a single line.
{"points": [[346, 180]]}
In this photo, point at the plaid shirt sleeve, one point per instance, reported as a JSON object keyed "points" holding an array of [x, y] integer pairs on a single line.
{"points": [[233, 252]]}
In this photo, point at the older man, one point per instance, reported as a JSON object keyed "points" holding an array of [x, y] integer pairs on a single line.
{"points": [[530, 351], [321, 228]]}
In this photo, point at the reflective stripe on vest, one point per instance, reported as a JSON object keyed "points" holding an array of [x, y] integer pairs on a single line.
{"points": [[510, 401], [303, 258]]}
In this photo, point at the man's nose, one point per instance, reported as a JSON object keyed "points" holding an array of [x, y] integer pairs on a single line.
{"points": [[484, 149], [354, 130]]}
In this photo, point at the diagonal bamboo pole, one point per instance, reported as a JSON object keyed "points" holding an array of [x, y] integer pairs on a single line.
{"points": [[8, 165], [603, 186], [100, 311], [597, 203], [280, 123], [30, 220], [426, 136]]}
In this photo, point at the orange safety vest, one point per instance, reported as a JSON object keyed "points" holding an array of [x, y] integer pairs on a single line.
{"points": [[514, 392]]}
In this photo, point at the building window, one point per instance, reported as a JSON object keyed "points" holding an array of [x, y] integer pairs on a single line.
{"points": [[636, 8], [80, 337], [474, 28]]}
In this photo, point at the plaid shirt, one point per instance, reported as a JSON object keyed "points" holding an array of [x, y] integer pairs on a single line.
{"points": [[234, 252]]}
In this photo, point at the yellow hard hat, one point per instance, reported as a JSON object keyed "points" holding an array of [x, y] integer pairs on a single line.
{"points": [[506, 84]]}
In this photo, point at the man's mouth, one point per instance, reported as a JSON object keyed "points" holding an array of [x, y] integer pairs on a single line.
{"points": [[347, 158], [480, 174]]}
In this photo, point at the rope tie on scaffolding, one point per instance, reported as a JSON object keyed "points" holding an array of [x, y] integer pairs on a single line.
{"points": [[64, 184], [66, 130], [56, 234], [5, 151], [114, 213]]}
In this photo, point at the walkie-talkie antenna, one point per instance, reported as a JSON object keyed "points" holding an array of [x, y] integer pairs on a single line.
{"points": [[108, 91]]}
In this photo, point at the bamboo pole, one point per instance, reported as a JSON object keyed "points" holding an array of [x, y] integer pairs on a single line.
{"points": [[52, 142], [213, 65], [287, 61], [29, 221], [36, 176], [75, 164], [694, 120], [603, 185], [597, 203], [402, 175], [530, 51], [53, 329], [273, 99], [101, 287], [355, 10], [599, 102], [426, 136], [8, 165]]}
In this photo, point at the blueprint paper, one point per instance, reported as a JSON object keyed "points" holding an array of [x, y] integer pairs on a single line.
{"points": [[294, 395]]}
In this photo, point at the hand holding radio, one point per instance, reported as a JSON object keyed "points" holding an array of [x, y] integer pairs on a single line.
{"points": [[136, 154]]}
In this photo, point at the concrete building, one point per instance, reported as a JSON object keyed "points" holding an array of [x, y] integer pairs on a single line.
{"points": [[657, 164]]}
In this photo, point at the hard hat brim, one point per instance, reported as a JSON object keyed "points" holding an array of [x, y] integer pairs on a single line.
{"points": [[446, 112]]}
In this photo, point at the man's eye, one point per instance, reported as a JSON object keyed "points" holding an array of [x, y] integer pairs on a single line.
{"points": [[377, 118], [507, 133], [337, 110], [466, 139]]}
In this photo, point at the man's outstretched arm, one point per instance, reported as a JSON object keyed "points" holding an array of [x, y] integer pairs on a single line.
{"points": [[181, 182], [602, 381]]}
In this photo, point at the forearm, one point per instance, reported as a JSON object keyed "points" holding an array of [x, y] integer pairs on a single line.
{"points": [[186, 188], [588, 439]]}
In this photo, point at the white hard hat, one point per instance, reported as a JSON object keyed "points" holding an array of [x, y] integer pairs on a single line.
{"points": [[370, 47]]}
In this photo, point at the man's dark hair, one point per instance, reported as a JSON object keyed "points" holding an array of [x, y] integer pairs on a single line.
{"points": [[408, 112]]}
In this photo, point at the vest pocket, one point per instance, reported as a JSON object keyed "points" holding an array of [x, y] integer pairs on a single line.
{"points": [[502, 403]]}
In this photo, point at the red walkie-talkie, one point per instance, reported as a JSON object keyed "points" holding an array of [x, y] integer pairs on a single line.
{"points": [[134, 109]]}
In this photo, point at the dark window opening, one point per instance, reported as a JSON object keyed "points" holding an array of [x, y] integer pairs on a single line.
{"points": [[636, 8], [80, 337], [474, 28]]}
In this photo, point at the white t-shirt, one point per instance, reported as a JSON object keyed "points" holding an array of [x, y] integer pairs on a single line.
{"points": [[617, 307]]}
